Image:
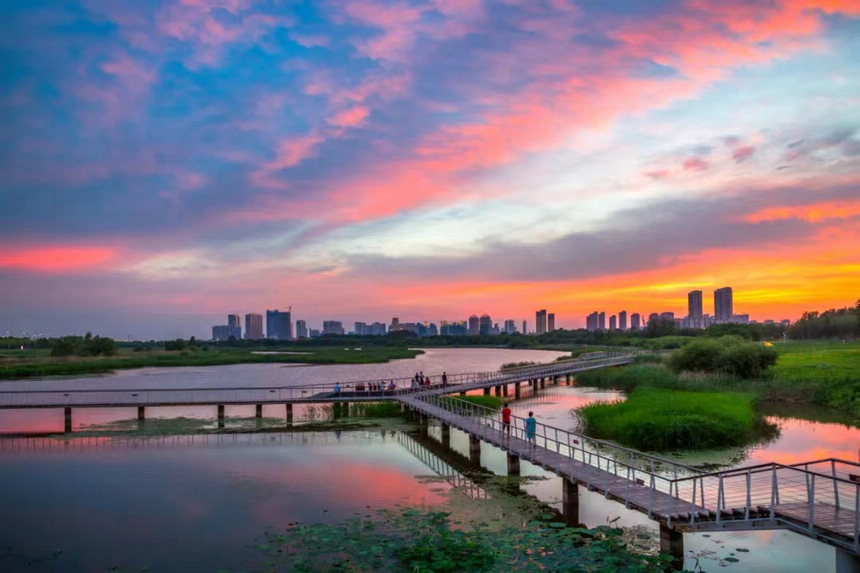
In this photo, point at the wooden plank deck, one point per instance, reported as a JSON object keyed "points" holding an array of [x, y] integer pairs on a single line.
{"points": [[632, 494], [826, 517]]}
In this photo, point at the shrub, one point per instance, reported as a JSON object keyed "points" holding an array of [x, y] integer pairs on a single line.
{"points": [[730, 355], [63, 347]]}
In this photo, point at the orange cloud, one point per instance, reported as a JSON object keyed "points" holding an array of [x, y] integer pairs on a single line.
{"points": [[812, 213], [57, 259]]}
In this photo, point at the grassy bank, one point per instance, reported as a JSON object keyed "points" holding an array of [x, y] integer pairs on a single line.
{"points": [[660, 419], [493, 402], [38, 362], [820, 373]]}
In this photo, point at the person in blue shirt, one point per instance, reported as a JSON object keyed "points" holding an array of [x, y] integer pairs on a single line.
{"points": [[531, 428], [337, 388]]}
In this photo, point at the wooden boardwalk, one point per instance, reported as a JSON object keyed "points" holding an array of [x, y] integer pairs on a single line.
{"points": [[679, 497]]}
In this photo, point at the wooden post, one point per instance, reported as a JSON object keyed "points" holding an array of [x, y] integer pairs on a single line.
{"points": [[446, 435], [220, 416], [474, 449], [672, 542], [141, 413], [847, 562], [513, 464], [259, 412], [570, 502], [67, 415]]}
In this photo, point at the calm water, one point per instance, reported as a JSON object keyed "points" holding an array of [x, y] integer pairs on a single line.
{"points": [[202, 500]]}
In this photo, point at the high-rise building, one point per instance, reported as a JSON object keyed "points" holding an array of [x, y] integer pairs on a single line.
{"points": [[395, 324], [301, 329], [510, 326], [540, 321], [635, 321], [741, 318], [234, 320], [253, 326], [550, 322], [485, 324], [667, 316], [622, 320], [694, 308], [360, 328], [525, 327], [377, 329], [332, 327], [612, 323], [223, 332], [653, 317], [591, 322], [723, 307], [601, 320], [278, 325], [474, 324]]}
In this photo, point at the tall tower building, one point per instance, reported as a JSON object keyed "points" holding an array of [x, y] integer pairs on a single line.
{"points": [[253, 326], [278, 325], [540, 321], [723, 307], [622, 320], [525, 324], [601, 320], [694, 308], [301, 329], [635, 321], [485, 324], [550, 322], [234, 320], [591, 322], [612, 323], [474, 324]]}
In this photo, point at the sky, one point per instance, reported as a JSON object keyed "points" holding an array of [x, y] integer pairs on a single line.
{"points": [[165, 163]]}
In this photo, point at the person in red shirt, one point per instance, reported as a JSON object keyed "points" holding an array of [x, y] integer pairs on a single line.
{"points": [[506, 419]]}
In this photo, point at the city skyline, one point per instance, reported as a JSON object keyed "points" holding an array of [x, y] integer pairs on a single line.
{"points": [[164, 162]]}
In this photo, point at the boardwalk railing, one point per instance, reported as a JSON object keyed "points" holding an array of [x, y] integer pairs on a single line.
{"points": [[819, 498]]}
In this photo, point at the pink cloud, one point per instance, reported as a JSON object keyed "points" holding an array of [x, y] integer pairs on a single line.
{"points": [[657, 174], [741, 154], [56, 258], [290, 152], [695, 164], [351, 117]]}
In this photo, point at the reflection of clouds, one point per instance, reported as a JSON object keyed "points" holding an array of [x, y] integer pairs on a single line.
{"points": [[802, 441]]}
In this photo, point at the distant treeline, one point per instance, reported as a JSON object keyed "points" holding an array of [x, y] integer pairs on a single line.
{"points": [[841, 323]]}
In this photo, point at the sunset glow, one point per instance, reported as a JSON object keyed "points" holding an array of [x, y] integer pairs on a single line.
{"points": [[165, 163]]}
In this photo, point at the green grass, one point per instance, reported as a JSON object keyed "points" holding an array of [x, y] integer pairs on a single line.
{"points": [[18, 364], [656, 419], [820, 373]]}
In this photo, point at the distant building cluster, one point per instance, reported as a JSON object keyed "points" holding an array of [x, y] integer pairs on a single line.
{"points": [[278, 326], [695, 319]]}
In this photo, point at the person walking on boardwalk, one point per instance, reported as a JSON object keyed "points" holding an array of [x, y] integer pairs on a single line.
{"points": [[531, 428], [444, 379], [506, 419]]}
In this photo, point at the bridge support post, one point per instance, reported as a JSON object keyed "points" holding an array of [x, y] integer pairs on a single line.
{"points": [[289, 413], [517, 390], [513, 464], [220, 416], [847, 562], [141, 413], [672, 542], [504, 389], [542, 383], [498, 390], [570, 502], [259, 412], [462, 393], [487, 391], [425, 423], [474, 450], [446, 435], [67, 419], [567, 379]]}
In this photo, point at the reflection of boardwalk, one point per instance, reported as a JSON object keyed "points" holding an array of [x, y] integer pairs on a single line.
{"points": [[442, 468], [274, 439], [817, 499]]}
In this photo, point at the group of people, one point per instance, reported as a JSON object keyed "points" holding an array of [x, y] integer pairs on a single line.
{"points": [[530, 424], [372, 387]]}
